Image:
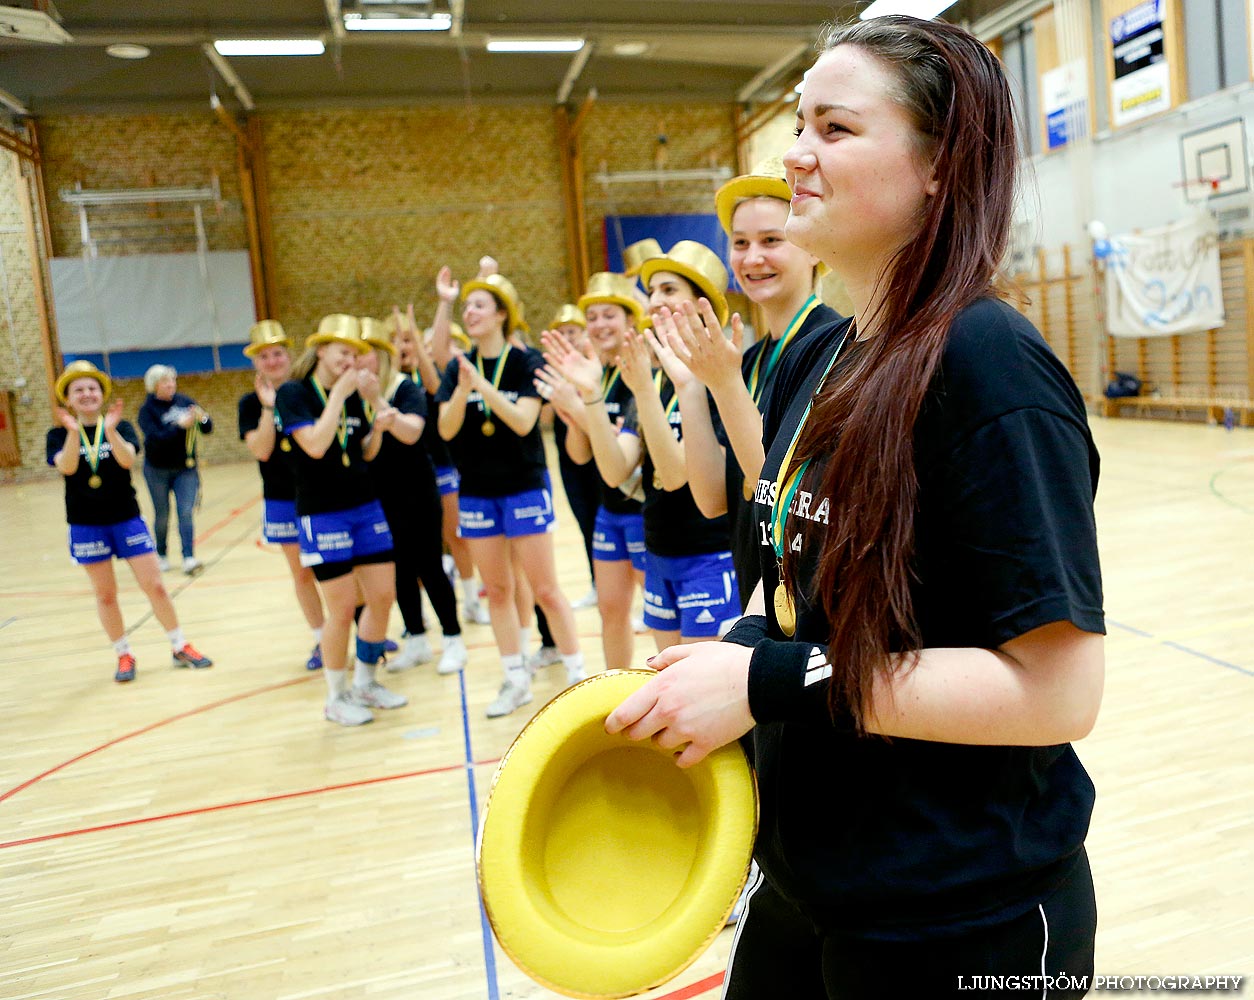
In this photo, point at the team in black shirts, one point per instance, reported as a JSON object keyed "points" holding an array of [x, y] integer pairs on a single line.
{"points": [[95, 449]]}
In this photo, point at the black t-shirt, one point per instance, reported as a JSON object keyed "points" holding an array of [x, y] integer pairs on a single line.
{"points": [[430, 440], [744, 539], [278, 472], [673, 523], [402, 470], [905, 838], [504, 463], [325, 484], [165, 442], [114, 500], [618, 402]]}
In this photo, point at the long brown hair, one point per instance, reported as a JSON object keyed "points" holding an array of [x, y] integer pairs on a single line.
{"points": [[956, 93]]}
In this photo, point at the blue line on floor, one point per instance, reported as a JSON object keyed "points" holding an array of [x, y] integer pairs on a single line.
{"points": [[1183, 649], [1129, 628], [8, 621], [489, 950]]}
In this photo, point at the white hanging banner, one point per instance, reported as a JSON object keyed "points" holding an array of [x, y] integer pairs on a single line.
{"points": [[1164, 281]]}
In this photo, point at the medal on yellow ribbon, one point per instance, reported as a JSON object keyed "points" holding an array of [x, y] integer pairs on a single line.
{"points": [[190, 438], [93, 452], [341, 432], [488, 428]]}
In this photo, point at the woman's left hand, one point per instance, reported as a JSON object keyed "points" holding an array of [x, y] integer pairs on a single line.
{"points": [[113, 415], [636, 365], [698, 702], [385, 418]]}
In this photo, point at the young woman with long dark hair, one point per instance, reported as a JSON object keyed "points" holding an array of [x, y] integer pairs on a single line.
{"points": [[930, 641], [95, 450], [269, 348], [344, 534], [489, 413]]}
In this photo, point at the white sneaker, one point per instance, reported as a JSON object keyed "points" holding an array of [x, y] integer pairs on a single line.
{"points": [[454, 657], [575, 674], [192, 566], [375, 695], [449, 567], [511, 696], [346, 712], [415, 650], [475, 611], [589, 600], [545, 656], [163, 564], [638, 626]]}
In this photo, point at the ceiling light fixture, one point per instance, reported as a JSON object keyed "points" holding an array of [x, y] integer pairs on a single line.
{"points": [[128, 50], [436, 22], [923, 9], [630, 48], [535, 44], [270, 47]]}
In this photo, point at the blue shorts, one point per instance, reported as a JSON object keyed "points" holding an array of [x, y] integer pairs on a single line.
{"points": [[448, 479], [616, 537], [345, 536], [696, 595], [278, 522], [91, 543], [526, 513]]}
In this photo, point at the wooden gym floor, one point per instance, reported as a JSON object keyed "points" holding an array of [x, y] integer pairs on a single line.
{"points": [[206, 834]]}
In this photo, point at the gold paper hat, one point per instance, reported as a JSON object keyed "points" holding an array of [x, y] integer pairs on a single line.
{"points": [[82, 369], [637, 253], [339, 328], [767, 180], [267, 333], [375, 333], [605, 286], [605, 869], [568, 314], [700, 265], [504, 290]]}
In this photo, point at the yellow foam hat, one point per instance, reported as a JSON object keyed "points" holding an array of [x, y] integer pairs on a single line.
{"points": [[605, 869], [767, 180], [568, 314], [635, 254], [505, 292], [605, 286], [375, 333], [339, 328], [267, 333], [700, 265], [82, 369]]}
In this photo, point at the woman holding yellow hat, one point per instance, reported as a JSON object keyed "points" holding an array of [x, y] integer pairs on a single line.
{"points": [[269, 348], [489, 413], [780, 277], [95, 450], [344, 534], [404, 481], [930, 643]]}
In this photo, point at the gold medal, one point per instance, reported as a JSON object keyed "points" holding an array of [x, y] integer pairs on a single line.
{"points": [[344, 459], [657, 481], [285, 445], [190, 463], [748, 490], [785, 613], [94, 482], [488, 428]]}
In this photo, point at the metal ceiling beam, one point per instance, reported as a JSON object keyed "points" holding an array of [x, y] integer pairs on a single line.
{"points": [[785, 62], [228, 74], [572, 74]]}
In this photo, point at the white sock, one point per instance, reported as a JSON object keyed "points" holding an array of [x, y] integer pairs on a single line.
{"points": [[335, 683], [515, 671], [176, 638], [573, 662], [470, 591], [452, 641], [122, 647], [363, 673], [524, 640], [317, 634]]}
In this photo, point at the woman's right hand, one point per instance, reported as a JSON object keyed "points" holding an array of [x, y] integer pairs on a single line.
{"points": [[636, 365], [345, 385], [673, 362], [445, 287], [265, 391], [582, 370], [67, 420]]}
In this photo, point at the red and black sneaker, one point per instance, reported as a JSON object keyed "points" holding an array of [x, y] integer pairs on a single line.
{"points": [[126, 669], [189, 656]]}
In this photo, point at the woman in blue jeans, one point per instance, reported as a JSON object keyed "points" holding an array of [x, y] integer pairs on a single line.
{"points": [[172, 424]]}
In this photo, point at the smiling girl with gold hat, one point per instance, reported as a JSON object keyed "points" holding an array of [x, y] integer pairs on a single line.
{"points": [[344, 535], [489, 412], [269, 348], [95, 450]]}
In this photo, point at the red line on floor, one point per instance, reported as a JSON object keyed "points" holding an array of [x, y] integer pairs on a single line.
{"points": [[227, 520], [687, 992], [149, 728], [201, 810]]}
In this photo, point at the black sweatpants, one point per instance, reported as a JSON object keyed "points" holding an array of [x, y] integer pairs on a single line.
{"points": [[583, 492], [779, 952], [415, 520]]}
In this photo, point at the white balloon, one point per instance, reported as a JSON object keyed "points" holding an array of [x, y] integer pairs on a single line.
{"points": [[1097, 230]]}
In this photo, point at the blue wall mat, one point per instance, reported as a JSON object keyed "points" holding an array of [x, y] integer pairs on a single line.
{"points": [[667, 230], [184, 360]]}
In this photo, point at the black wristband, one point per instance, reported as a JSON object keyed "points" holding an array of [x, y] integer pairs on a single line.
{"points": [[748, 631], [790, 682]]}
